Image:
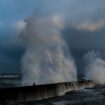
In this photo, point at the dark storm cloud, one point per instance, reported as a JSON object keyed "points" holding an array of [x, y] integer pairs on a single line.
{"points": [[10, 54], [85, 40]]}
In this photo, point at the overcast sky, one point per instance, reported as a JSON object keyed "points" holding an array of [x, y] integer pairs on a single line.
{"points": [[84, 26]]}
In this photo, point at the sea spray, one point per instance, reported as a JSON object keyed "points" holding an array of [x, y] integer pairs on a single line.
{"points": [[95, 67], [47, 58]]}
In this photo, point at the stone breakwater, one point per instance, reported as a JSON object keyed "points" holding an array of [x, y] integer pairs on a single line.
{"points": [[39, 92]]}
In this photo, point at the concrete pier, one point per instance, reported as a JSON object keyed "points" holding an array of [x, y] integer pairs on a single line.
{"points": [[38, 92]]}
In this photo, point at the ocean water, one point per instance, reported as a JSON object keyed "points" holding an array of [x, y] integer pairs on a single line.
{"points": [[93, 96], [5, 83]]}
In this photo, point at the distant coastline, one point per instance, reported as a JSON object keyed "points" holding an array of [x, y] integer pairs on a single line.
{"points": [[10, 76]]}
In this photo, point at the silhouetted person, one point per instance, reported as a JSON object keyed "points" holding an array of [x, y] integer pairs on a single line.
{"points": [[33, 84]]}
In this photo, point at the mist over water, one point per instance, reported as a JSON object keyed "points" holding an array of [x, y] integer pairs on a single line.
{"points": [[47, 58], [95, 67]]}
